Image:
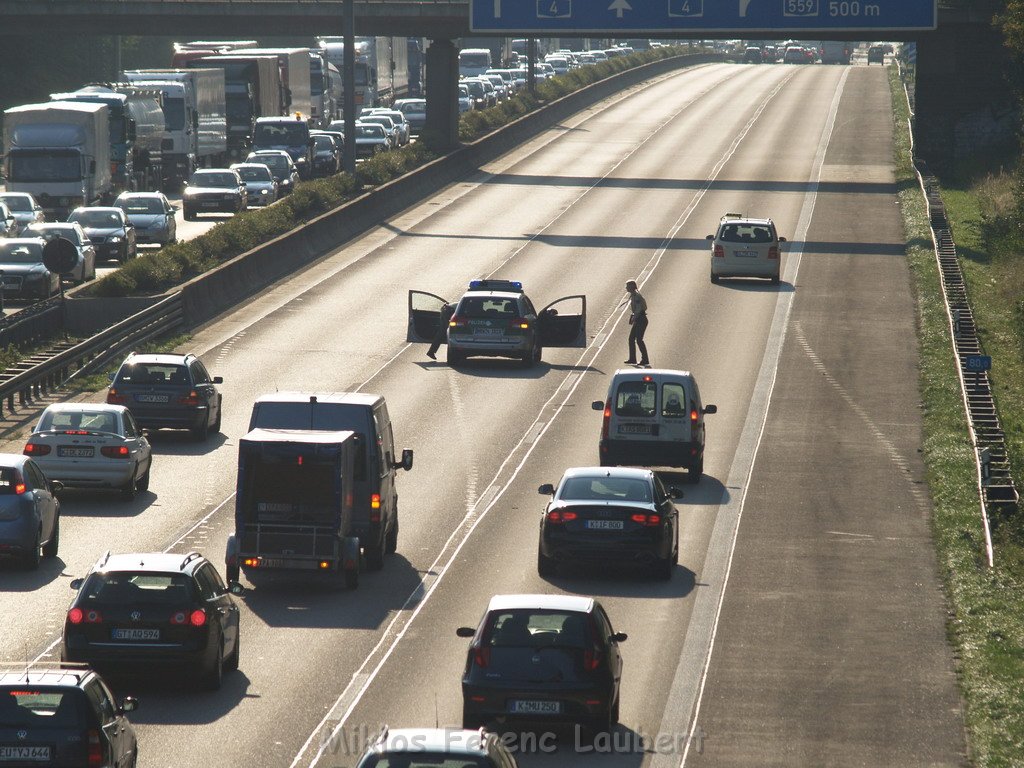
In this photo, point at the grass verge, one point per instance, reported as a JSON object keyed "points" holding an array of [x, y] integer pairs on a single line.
{"points": [[986, 607]]}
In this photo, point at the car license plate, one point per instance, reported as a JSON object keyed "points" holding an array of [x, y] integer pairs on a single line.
{"points": [[487, 331], [152, 398], [211, 205], [604, 525], [520, 707], [24, 753], [635, 429], [135, 634], [746, 254], [75, 452]]}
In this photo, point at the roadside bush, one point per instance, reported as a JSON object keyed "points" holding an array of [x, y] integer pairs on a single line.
{"points": [[155, 272]]}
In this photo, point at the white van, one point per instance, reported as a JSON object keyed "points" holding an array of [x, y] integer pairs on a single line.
{"points": [[654, 418], [474, 61]]}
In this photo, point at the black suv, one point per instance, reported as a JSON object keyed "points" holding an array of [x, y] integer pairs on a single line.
{"points": [[62, 715], [168, 391], [151, 611]]}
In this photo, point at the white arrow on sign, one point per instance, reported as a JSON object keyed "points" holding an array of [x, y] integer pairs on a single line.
{"points": [[744, 4], [497, 9], [619, 6]]}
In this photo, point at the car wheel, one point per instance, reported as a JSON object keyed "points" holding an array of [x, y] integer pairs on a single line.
{"points": [[143, 482], [236, 653], [546, 567], [50, 548], [215, 427], [470, 722], [374, 556], [213, 675], [663, 569], [129, 490], [31, 560], [352, 578], [455, 357], [391, 540], [233, 572], [695, 471], [200, 433], [715, 278], [187, 214], [775, 280], [615, 712]]}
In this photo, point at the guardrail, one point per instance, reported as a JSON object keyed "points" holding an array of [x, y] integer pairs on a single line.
{"points": [[38, 377], [37, 321]]}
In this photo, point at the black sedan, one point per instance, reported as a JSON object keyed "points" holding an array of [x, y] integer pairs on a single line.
{"points": [[110, 231], [610, 514], [23, 273], [213, 190], [543, 658]]}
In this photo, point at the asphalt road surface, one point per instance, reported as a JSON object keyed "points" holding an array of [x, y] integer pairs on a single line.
{"points": [[804, 624]]}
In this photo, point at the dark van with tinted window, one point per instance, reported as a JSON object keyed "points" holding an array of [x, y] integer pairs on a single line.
{"points": [[375, 506]]}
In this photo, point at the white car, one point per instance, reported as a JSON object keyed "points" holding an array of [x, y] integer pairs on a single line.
{"points": [[91, 445], [745, 247], [85, 269]]}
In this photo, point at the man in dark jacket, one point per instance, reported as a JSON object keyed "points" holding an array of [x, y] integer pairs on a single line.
{"points": [[441, 336]]}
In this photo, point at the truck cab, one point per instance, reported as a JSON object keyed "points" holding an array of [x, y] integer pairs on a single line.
{"points": [[290, 134]]}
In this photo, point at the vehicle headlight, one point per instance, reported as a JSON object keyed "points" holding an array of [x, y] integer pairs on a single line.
{"points": [[115, 239], [264, 192]]}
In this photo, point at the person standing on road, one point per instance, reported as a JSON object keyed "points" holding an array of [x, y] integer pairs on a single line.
{"points": [[638, 325], [447, 311]]}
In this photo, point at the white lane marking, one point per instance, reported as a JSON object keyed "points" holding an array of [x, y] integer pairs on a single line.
{"points": [[435, 574], [686, 695], [846, 533]]}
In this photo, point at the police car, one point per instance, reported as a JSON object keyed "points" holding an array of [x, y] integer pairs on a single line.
{"points": [[495, 318]]}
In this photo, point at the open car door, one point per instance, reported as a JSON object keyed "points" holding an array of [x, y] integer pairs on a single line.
{"points": [[566, 327], [424, 316]]}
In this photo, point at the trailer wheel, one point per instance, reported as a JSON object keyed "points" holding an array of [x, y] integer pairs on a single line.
{"points": [[351, 578]]}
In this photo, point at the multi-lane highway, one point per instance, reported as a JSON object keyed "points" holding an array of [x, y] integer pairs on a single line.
{"points": [[804, 624]]}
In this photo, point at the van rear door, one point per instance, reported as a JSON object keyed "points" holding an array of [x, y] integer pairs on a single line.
{"points": [[635, 409], [677, 410]]}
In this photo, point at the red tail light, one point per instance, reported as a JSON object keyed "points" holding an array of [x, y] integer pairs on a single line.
{"points": [[592, 659], [375, 501], [178, 617], [694, 415], [519, 323], [557, 517], [35, 449], [192, 400], [773, 252], [19, 484], [649, 520], [75, 615], [95, 753], [113, 398], [719, 252], [607, 419], [481, 656], [115, 451], [198, 618], [91, 616]]}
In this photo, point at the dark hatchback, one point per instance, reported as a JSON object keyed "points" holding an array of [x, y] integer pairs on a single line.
{"points": [[610, 515], [168, 391], [62, 715], [543, 659], [153, 611]]}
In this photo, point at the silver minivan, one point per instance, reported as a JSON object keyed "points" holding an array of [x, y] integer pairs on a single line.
{"points": [[653, 418]]}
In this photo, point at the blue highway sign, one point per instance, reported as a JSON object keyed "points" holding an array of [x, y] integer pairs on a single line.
{"points": [[614, 16], [977, 363]]}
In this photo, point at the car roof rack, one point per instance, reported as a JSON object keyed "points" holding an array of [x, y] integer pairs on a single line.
{"points": [[733, 216], [24, 669], [188, 559]]}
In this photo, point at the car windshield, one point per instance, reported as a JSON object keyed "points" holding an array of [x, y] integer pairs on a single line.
{"points": [[21, 253], [324, 144], [387, 122], [121, 587], [88, 420], [213, 180], [530, 628], [605, 489], [745, 233], [259, 173], [32, 706], [275, 162], [281, 133], [141, 205], [18, 203], [96, 219], [370, 132], [476, 88], [414, 109], [55, 230], [488, 307], [153, 373]]}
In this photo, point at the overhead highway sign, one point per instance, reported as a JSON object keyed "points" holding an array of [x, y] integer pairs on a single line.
{"points": [[673, 16]]}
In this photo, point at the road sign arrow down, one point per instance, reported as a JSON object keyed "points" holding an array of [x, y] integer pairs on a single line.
{"points": [[619, 6]]}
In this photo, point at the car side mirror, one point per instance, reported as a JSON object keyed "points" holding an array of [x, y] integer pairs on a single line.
{"points": [[406, 462], [76, 583], [710, 409], [218, 379], [235, 588], [465, 631], [130, 704], [619, 637], [110, 377], [710, 237], [547, 489], [597, 405], [56, 486], [782, 239], [674, 493]]}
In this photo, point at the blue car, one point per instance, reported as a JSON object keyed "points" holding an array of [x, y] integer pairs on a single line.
{"points": [[29, 511]]}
